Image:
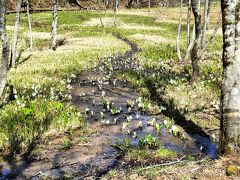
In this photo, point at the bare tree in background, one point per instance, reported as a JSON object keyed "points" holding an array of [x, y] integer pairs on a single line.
{"points": [[188, 22], [195, 53], [197, 45], [115, 6], [208, 14], [53, 44], [206, 21], [5, 49], [15, 35], [29, 26], [230, 92], [179, 34], [149, 5], [106, 3]]}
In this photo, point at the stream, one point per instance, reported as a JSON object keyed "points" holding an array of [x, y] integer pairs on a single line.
{"points": [[112, 112]]}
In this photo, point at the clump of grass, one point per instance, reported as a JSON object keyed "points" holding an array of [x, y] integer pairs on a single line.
{"points": [[139, 156], [165, 153], [159, 52], [85, 139], [67, 144], [24, 121], [112, 174]]}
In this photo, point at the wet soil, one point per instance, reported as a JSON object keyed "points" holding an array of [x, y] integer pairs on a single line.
{"points": [[89, 154]]}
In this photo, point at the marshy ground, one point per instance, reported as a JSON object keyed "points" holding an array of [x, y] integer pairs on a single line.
{"points": [[111, 102]]}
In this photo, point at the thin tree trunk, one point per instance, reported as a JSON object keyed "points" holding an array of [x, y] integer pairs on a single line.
{"points": [[79, 4], [206, 44], [115, 4], [188, 22], [29, 26], [195, 54], [53, 45], [190, 46], [230, 91], [129, 3], [5, 49], [149, 5], [106, 3], [100, 13], [15, 35], [205, 22], [179, 34], [208, 15]]}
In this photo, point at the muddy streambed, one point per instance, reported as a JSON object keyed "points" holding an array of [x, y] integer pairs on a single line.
{"points": [[113, 112]]}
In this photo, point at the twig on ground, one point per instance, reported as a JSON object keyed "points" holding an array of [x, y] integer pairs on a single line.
{"points": [[165, 164], [172, 163]]}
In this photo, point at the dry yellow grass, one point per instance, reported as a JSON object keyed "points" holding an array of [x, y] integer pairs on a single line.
{"points": [[108, 22], [151, 38]]}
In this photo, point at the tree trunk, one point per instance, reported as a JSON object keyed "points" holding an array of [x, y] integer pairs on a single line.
{"points": [[115, 4], [15, 35], [208, 15], [230, 91], [53, 45], [188, 23], [190, 46], [129, 3], [179, 34], [29, 26], [106, 3], [149, 5], [195, 54], [78, 3], [5, 49], [206, 19]]}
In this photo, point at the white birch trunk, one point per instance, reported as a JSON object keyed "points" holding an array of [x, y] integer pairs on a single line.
{"points": [[149, 5], [230, 92], [179, 33], [29, 26], [188, 22], [5, 49], [205, 22], [115, 5], [15, 35], [53, 45]]}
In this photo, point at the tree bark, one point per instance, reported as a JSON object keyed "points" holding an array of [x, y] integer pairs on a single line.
{"points": [[53, 45], [78, 3], [179, 34], [5, 49], [115, 5], [208, 14], [106, 3], [190, 46], [195, 54], [188, 22], [205, 23], [29, 26], [149, 5], [15, 35], [230, 90]]}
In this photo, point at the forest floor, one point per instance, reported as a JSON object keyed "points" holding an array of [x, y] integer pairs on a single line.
{"points": [[112, 102]]}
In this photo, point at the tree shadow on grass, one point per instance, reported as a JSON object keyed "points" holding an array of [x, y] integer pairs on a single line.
{"points": [[156, 93]]}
